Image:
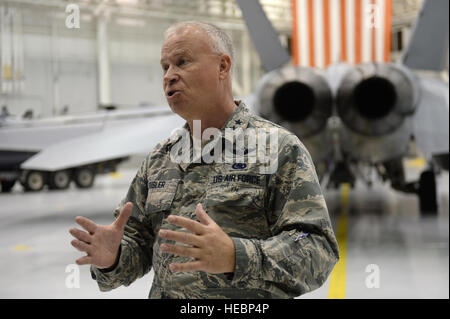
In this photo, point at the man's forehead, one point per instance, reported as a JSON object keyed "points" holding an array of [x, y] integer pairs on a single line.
{"points": [[183, 42], [173, 52]]}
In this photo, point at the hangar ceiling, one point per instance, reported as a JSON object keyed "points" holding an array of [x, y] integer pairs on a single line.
{"points": [[226, 11]]}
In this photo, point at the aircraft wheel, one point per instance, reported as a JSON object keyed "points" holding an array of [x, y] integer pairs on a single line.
{"points": [[60, 179], [427, 193], [7, 186], [84, 177], [34, 181]]}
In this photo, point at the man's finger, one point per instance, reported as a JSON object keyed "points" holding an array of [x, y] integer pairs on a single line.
{"points": [[86, 223], [81, 246], [187, 223], [203, 215], [81, 235], [190, 266], [181, 250], [181, 237], [86, 260], [124, 215]]}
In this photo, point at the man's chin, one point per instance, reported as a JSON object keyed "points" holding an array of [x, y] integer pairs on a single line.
{"points": [[180, 109]]}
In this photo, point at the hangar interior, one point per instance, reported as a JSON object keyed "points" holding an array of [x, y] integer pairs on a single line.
{"points": [[58, 68]]}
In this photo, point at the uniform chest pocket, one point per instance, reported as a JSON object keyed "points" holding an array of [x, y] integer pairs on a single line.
{"points": [[235, 196], [161, 194], [239, 210]]}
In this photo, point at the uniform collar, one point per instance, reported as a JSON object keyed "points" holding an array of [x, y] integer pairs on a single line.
{"points": [[238, 120]]}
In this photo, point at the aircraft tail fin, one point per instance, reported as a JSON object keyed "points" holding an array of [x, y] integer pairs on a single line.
{"points": [[428, 45], [265, 40]]}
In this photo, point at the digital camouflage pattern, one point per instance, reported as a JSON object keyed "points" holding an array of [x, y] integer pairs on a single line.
{"points": [[279, 223]]}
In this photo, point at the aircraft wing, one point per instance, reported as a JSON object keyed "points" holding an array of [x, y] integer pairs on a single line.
{"points": [[428, 50], [37, 134], [34, 139], [431, 118], [114, 141]]}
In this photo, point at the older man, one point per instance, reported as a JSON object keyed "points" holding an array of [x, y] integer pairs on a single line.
{"points": [[214, 229]]}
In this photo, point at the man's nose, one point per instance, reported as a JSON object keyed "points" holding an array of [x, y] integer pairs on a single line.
{"points": [[170, 76]]}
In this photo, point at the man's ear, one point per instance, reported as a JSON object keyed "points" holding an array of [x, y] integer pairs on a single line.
{"points": [[225, 66]]}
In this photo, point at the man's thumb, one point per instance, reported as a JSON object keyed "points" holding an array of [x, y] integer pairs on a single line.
{"points": [[124, 215]]}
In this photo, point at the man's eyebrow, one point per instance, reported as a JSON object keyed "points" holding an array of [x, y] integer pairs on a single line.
{"points": [[175, 54]]}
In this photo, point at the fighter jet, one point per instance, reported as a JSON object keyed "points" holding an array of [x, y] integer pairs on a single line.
{"points": [[364, 115]]}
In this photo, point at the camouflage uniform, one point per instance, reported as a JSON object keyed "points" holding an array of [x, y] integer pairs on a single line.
{"points": [[279, 223]]}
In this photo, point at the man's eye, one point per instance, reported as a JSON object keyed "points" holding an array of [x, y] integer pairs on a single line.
{"points": [[181, 62]]}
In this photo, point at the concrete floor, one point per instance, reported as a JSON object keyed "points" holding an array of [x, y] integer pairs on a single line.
{"points": [[384, 229]]}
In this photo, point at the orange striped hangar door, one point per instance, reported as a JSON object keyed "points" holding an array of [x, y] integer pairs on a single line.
{"points": [[332, 31]]}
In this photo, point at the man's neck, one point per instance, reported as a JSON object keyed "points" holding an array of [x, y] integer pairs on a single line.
{"points": [[215, 119]]}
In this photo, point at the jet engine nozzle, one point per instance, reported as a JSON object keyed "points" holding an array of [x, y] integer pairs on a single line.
{"points": [[297, 98], [373, 99]]}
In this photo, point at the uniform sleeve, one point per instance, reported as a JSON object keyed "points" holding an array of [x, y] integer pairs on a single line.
{"points": [[136, 246], [303, 249]]}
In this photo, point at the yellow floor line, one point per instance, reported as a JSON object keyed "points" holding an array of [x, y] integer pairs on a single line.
{"points": [[337, 286], [21, 248], [115, 175]]}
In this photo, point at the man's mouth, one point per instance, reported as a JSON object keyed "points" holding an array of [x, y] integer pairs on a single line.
{"points": [[172, 93]]}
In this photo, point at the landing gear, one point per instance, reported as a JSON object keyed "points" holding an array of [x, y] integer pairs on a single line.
{"points": [[60, 179], [84, 177], [427, 193], [36, 180], [33, 181], [425, 187], [340, 175]]}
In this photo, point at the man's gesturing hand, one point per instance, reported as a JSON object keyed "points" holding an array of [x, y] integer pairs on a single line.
{"points": [[101, 243], [210, 246]]}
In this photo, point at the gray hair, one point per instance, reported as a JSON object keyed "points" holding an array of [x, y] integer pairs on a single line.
{"points": [[220, 41]]}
